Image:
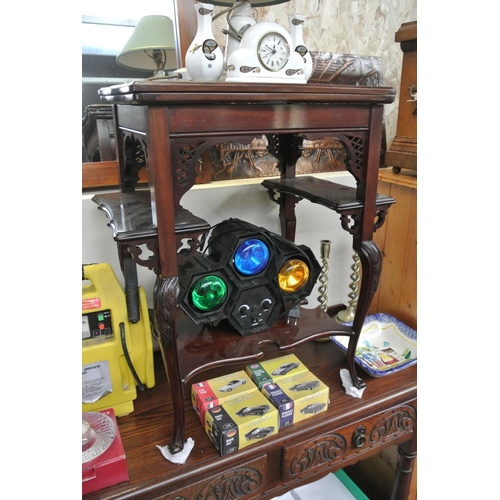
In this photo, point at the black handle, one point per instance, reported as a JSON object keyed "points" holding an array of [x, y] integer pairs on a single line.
{"points": [[131, 290], [359, 437]]}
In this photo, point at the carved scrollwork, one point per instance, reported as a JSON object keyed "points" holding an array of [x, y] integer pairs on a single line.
{"points": [[327, 449], [186, 246], [393, 422], [380, 218], [275, 196], [369, 252], [237, 483], [165, 295], [351, 222], [151, 261]]}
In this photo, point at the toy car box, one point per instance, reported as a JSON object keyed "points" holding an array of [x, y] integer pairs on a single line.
{"points": [[273, 370], [216, 391], [298, 397], [241, 422]]}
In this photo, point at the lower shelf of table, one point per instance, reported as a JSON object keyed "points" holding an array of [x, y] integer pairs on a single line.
{"points": [[203, 346], [295, 456]]}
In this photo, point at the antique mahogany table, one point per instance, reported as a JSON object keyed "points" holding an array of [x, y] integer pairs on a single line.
{"points": [[167, 127]]}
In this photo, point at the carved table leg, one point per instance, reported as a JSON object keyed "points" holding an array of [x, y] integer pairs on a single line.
{"points": [[288, 221], [371, 263], [407, 453], [165, 302]]}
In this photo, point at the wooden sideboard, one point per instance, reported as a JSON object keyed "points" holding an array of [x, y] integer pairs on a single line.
{"points": [[167, 127], [351, 430]]}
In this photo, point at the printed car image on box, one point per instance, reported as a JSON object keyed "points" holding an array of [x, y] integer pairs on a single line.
{"points": [[241, 422], [216, 391], [297, 397], [273, 370]]}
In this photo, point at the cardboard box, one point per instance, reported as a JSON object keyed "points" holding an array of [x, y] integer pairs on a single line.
{"points": [[216, 391], [274, 370], [107, 469], [241, 422], [298, 397]]}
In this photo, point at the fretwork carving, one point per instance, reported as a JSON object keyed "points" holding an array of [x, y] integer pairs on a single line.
{"points": [[380, 217], [394, 422], [351, 222], [326, 449], [276, 196], [186, 162], [186, 247], [151, 261]]}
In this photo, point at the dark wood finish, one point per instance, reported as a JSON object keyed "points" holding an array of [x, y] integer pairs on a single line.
{"points": [[403, 150], [170, 125], [295, 456]]}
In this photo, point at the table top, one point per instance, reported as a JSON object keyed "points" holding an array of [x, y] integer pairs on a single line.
{"points": [[161, 91], [151, 422]]}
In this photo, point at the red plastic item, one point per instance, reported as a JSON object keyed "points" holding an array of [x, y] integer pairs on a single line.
{"points": [[107, 469]]}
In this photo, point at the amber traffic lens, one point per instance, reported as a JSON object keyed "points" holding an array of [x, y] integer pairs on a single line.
{"points": [[293, 275]]}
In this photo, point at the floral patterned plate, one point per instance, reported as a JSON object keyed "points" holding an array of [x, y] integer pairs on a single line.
{"points": [[386, 345]]}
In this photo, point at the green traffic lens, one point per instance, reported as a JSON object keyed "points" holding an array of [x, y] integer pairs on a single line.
{"points": [[209, 293]]}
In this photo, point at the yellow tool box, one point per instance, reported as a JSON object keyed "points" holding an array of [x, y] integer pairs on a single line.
{"points": [[117, 345]]}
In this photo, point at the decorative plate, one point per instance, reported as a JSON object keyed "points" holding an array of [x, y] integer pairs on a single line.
{"points": [[100, 434], [386, 345]]}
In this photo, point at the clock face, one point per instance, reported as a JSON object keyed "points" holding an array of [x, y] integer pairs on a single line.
{"points": [[273, 51]]}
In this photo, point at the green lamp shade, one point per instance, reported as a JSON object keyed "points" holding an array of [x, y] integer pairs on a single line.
{"points": [[153, 40]]}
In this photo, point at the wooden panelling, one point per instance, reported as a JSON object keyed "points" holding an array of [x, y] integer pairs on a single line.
{"points": [[102, 174], [397, 240]]}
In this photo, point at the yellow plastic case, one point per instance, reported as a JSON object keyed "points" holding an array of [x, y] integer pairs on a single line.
{"points": [[107, 379]]}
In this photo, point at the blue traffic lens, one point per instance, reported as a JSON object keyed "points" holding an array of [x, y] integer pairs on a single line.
{"points": [[251, 257]]}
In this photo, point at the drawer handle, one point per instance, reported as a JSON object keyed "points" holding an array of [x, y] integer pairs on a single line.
{"points": [[359, 437]]}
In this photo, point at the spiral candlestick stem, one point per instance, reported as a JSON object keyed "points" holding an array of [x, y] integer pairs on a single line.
{"points": [[323, 277], [348, 314]]}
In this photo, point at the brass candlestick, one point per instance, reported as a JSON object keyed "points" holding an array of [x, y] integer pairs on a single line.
{"points": [[323, 277], [348, 314]]}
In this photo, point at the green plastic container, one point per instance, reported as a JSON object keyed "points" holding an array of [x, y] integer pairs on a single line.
{"points": [[350, 485]]}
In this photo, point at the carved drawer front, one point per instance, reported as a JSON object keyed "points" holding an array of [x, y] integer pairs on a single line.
{"points": [[244, 481], [330, 448]]}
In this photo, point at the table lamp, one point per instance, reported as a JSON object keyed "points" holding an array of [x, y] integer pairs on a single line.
{"points": [[151, 46]]}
